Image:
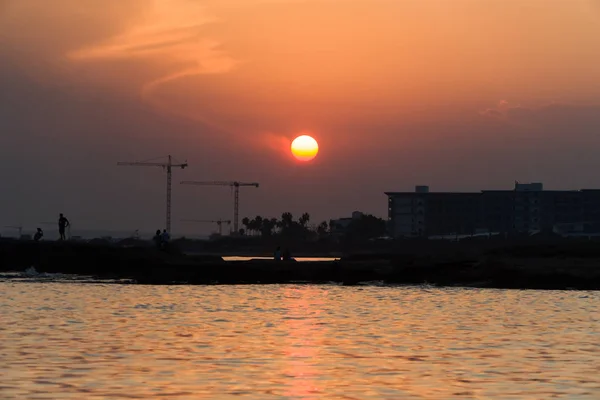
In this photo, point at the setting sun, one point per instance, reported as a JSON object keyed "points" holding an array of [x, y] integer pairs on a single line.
{"points": [[304, 148]]}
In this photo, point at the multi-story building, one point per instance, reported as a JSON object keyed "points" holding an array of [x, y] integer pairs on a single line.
{"points": [[423, 213], [526, 208], [591, 209], [513, 210]]}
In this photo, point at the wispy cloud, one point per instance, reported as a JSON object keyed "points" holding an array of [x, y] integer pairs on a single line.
{"points": [[170, 34]]}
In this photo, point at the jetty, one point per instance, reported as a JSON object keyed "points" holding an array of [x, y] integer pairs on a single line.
{"points": [[529, 266]]}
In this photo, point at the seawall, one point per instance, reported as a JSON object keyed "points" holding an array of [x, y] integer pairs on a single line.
{"points": [[519, 267]]}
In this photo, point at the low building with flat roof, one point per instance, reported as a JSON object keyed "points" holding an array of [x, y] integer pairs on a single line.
{"points": [[338, 226]]}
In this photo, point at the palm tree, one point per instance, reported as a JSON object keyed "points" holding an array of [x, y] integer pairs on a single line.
{"points": [[267, 226], [246, 222], [303, 220], [259, 223], [286, 220], [254, 225]]}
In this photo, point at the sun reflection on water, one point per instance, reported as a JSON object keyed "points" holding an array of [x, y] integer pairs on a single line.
{"points": [[304, 341], [74, 340]]}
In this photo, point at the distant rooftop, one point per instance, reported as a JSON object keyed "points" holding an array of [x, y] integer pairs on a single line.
{"points": [[518, 187]]}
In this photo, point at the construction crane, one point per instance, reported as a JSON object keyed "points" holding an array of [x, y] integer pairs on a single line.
{"points": [[167, 166], [219, 222], [236, 195]]}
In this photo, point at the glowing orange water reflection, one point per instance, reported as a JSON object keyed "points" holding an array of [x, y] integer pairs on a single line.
{"points": [[305, 338]]}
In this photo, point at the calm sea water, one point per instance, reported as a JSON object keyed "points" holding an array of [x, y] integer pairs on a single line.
{"points": [[81, 340], [300, 259]]}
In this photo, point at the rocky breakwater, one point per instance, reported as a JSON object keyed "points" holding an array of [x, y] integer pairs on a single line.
{"points": [[540, 266], [556, 265], [99, 260], [147, 265]]}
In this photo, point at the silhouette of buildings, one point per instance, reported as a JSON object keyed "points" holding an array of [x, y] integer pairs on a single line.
{"points": [[338, 226], [528, 208]]}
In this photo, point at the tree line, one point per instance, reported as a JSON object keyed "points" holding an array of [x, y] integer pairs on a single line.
{"points": [[364, 227]]}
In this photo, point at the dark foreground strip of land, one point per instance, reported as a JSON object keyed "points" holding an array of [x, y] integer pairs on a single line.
{"points": [[531, 266]]}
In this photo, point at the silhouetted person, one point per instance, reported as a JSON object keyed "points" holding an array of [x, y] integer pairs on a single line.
{"points": [[63, 222], [38, 235], [157, 239], [287, 256], [165, 237], [277, 255]]}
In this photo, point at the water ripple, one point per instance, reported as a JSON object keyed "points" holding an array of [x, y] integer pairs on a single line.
{"points": [[73, 341]]}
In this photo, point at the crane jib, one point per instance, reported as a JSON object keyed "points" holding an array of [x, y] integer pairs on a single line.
{"points": [[165, 165], [236, 194]]}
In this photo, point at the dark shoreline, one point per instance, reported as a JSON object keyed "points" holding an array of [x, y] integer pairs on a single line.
{"points": [[566, 265]]}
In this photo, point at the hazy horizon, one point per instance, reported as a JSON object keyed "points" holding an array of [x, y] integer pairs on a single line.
{"points": [[463, 95], [52, 233]]}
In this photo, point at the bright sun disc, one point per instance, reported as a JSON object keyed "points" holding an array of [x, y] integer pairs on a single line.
{"points": [[305, 148]]}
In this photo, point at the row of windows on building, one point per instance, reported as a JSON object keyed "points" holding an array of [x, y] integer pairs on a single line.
{"points": [[525, 208]]}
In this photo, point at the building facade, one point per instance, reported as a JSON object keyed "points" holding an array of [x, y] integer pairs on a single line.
{"points": [[338, 226], [422, 213], [527, 208]]}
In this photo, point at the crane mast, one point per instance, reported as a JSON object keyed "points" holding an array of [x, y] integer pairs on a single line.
{"points": [[168, 167], [236, 195], [168, 210]]}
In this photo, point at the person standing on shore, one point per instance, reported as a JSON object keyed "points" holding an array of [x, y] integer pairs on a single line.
{"points": [[63, 223], [157, 239], [277, 255], [165, 238]]}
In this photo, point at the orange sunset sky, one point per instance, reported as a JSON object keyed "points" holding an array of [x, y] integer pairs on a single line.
{"points": [[455, 94]]}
